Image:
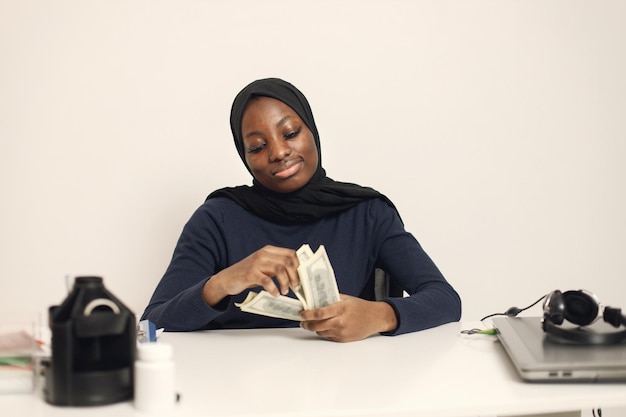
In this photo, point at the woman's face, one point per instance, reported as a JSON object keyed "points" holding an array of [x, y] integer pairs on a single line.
{"points": [[279, 147]]}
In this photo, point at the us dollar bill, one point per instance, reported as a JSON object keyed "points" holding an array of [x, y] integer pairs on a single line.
{"points": [[318, 288], [304, 254], [317, 279], [266, 304]]}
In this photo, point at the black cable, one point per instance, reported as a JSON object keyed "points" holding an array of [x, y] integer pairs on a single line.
{"points": [[513, 311]]}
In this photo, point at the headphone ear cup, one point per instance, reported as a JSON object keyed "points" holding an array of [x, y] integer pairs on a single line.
{"points": [[580, 308], [554, 308]]}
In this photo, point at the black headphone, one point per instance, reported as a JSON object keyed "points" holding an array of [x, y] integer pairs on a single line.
{"points": [[582, 308]]}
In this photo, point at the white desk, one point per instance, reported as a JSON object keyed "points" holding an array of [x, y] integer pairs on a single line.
{"points": [[292, 373]]}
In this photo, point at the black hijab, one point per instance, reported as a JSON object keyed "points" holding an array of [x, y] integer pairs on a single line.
{"points": [[320, 197]]}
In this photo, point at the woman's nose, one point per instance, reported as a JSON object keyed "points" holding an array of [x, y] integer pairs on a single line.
{"points": [[279, 149]]}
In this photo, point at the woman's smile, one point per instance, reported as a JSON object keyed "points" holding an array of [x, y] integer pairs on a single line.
{"points": [[289, 168]]}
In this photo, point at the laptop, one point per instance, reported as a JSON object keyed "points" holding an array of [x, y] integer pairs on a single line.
{"points": [[538, 357]]}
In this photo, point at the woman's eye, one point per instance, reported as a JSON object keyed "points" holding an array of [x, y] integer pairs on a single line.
{"points": [[255, 149], [293, 133]]}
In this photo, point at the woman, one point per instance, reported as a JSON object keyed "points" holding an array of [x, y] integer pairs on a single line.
{"points": [[245, 238]]}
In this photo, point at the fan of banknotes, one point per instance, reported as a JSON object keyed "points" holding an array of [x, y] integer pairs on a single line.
{"points": [[318, 288]]}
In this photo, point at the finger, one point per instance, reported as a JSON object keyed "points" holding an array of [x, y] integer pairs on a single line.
{"points": [[267, 283], [324, 313], [283, 265], [268, 273], [284, 278], [323, 329], [275, 276], [316, 326], [291, 264], [330, 336]]}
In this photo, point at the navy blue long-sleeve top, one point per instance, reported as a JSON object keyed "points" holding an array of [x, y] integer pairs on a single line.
{"points": [[367, 236]]}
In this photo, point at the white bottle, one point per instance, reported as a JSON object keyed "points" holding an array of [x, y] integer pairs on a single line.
{"points": [[155, 379]]}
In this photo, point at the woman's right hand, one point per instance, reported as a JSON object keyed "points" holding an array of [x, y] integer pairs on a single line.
{"points": [[257, 269]]}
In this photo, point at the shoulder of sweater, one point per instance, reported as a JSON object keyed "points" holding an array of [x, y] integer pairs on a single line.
{"points": [[377, 205], [218, 207], [219, 202]]}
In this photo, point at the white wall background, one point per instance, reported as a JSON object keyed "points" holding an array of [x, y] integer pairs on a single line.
{"points": [[497, 127]]}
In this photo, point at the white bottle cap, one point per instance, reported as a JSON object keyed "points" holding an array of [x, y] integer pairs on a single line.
{"points": [[154, 352]]}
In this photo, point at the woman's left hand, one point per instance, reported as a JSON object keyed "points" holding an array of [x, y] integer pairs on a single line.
{"points": [[350, 319]]}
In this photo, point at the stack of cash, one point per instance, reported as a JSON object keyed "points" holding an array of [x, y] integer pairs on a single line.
{"points": [[318, 288]]}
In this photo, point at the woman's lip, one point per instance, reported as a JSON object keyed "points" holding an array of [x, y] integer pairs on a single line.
{"points": [[288, 169]]}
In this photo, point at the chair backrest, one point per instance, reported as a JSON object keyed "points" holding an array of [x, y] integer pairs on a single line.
{"points": [[380, 286]]}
